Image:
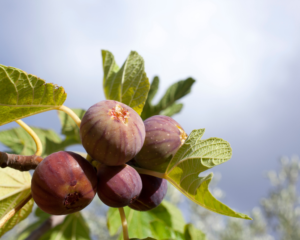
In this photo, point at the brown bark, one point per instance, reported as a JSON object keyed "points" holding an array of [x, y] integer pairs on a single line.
{"points": [[19, 162]]}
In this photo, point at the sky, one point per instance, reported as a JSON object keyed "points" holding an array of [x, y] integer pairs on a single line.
{"points": [[244, 56]]}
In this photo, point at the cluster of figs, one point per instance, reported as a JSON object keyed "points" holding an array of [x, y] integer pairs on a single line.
{"points": [[113, 134]]}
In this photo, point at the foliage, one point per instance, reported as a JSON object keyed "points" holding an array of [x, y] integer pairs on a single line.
{"points": [[24, 95]]}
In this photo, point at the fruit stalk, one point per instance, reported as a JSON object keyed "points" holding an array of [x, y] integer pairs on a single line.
{"points": [[38, 143], [124, 224], [70, 113]]}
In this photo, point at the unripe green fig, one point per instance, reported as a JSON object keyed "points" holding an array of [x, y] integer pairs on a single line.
{"points": [[164, 136], [112, 132], [63, 183]]}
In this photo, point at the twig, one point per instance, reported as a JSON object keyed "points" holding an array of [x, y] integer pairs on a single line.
{"points": [[38, 143], [124, 224], [19, 162], [50, 223]]}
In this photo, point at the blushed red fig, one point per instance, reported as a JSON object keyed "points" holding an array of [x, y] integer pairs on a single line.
{"points": [[153, 192], [164, 136], [63, 183], [118, 186], [112, 132]]}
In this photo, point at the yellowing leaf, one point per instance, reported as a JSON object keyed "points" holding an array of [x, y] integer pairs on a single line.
{"points": [[14, 189], [23, 95], [129, 84]]}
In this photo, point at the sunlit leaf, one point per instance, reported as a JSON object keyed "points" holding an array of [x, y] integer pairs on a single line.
{"points": [[23, 95], [161, 231], [14, 189], [128, 84], [194, 157], [172, 110]]}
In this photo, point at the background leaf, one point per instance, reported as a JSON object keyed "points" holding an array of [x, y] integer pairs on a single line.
{"points": [[138, 222], [194, 157], [73, 227], [192, 233], [23, 95], [129, 84], [14, 188], [167, 105]]}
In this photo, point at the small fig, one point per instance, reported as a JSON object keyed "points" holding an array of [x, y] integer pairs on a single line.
{"points": [[118, 186], [112, 132], [164, 136], [153, 192], [63, 183]]}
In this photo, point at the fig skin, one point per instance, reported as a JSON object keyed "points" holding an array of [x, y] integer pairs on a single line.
{"points": [[164, 136], [153, 192], [112, 132], [63, 183], [118, 186]]}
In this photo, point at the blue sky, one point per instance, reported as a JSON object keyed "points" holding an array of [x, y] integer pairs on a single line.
{"points": [[243, 54]]}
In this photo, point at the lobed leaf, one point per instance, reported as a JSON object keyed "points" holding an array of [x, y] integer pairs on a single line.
{"points": [[194, 157], [23, 95], [128, 84], [14, 188], [73, 227], [168, 215], [192, 233]]}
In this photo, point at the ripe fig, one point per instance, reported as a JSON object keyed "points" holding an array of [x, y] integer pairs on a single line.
{"points": [[112, 133], [63, 183], [164, 136], [153, 192], [118, 186]]}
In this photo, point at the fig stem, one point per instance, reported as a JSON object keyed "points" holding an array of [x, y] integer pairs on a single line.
{"points": [[12, 212], [124, 224], [71, 113], [37, 140], [89, 158], [149, 172]]}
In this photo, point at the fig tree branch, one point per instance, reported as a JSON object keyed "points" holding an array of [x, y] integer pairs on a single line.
{"points": [[19, 162]]}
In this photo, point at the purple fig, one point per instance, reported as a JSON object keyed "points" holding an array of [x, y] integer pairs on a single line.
{"points": [[112, 133], [63, 183], [164, 136], [118, 186]]}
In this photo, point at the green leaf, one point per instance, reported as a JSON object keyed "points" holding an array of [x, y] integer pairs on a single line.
{"points": [[194, 157], [161, 231], [173, 109], [23, 95], [129, 84], [192, 233], [14, 189], [20, 142], [69, 127], [167, 105], [139, 222], [148, 238], [73, 227]]}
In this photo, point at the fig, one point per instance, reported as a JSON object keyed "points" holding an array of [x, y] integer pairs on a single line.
{"points": [[164, 136], [63, 183], [153, 192], [112, 132], [118, 186]]}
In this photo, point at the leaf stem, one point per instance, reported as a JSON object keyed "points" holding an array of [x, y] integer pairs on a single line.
{"points": [[37, 140], [124, 224], [12, 212], [149, 172], [71, 113]]}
